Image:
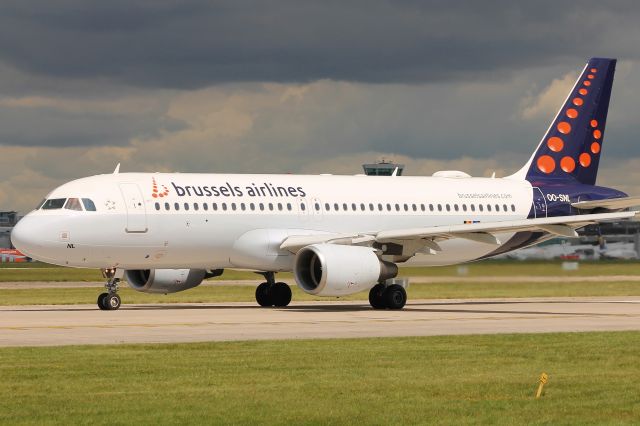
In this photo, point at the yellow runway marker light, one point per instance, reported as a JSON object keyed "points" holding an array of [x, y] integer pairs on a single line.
{"points": [[544, 377]]}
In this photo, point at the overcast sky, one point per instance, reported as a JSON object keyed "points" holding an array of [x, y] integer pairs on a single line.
{"points": [[300, 86]]}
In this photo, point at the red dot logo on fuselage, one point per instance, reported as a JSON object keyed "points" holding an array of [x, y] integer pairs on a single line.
{"points": [[155, 193]]}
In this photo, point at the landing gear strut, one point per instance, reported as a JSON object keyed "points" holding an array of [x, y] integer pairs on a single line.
{"points": [[382, 296], [110, 301], [271, 293]]}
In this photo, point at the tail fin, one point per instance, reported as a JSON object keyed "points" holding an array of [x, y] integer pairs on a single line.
{"points": [[570, 150]]}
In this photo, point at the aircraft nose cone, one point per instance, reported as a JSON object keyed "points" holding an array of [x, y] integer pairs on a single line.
{"points": [[25, 237]]}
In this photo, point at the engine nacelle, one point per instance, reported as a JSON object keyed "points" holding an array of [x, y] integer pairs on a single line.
{"points": [[339, 270], [164, 280]]}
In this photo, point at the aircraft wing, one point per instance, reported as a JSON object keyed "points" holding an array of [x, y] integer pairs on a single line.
{"points": [[481, 232], [562, 225], [294, 243], [611, 203]]}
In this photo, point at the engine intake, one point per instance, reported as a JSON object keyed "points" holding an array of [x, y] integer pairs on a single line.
{"points": [[338, 270], [164, 280]]}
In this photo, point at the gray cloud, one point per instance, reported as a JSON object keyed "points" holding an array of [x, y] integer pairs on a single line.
{"points": [[298, 86], [197, 43], [50, 126]]}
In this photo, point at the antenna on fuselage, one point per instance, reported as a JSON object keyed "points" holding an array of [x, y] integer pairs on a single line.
{"points": [[117, 170]]}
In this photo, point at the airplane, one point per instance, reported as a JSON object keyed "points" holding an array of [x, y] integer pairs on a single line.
{"points": [[12, 256], [167, 232]]}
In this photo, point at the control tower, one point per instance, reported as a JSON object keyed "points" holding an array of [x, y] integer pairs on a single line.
{"points": [[382, 168]]}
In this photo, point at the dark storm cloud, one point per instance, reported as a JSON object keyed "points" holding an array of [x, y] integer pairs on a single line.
{"points": [[191, 44]]}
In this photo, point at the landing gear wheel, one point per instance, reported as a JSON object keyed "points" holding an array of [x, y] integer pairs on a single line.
{"points": [[112, 302], [263, 295], [101, 301], [280, 294], [376, 296], [395, 297]]}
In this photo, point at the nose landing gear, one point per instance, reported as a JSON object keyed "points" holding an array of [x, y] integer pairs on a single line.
{"points": [[110, 301]]}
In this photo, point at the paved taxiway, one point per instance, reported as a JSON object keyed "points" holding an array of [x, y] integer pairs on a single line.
{"points": [[85, 324]]}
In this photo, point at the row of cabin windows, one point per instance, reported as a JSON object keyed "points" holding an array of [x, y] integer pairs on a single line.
{"points": [[344, 207], [225, 207], [415, 207]]}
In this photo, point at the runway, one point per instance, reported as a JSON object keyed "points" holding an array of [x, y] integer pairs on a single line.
{"points": [[85, 324]]}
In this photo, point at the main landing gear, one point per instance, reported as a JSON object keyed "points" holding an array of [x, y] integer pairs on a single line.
{"points": [[382, 296], [271, 293], [110, 301]]}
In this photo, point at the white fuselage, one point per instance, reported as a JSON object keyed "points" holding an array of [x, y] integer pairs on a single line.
{"points": [[209, 221]]}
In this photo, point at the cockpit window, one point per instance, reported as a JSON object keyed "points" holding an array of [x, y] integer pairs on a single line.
{"points": [[53, 203], [89, 205], [73, 204]]}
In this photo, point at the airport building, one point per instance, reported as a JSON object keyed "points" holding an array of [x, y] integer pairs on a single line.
{"points": [[383, 168]]}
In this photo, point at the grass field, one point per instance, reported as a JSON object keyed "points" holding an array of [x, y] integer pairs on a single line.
{"points": [[227, 293], [42, 272], [235, 293], [594, 378]]}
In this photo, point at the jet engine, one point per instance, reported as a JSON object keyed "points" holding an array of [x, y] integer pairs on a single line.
{"points": [[339, 270], [164, 280]]}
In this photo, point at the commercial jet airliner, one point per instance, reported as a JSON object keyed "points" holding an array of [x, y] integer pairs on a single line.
{"points": [[167, 232]]}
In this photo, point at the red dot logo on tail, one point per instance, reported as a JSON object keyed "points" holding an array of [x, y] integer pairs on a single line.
{"points": [[158, 194]]}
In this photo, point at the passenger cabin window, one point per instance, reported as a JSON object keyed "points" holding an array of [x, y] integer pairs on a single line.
{"points": [[88, 205], [53, 204], [73, 204]]}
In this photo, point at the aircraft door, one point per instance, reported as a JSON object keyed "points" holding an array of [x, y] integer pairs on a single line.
{"points": [[134, 203], [539, 203]]}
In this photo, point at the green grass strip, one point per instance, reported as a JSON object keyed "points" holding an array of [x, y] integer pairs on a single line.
{"points": [[235, 293], [594, 378]]}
